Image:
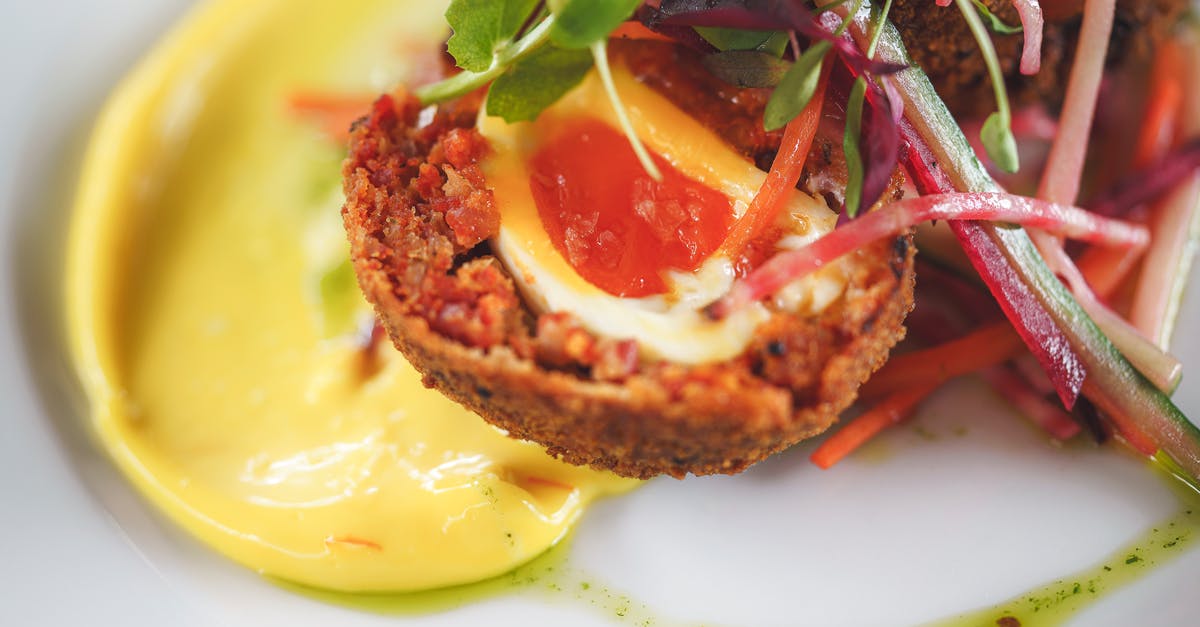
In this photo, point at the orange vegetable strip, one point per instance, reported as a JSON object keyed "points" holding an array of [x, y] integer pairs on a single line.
{"points": [[989, 345], [1106, 268], [1164, 105], [353, 541], [636, 30], [1175, 219], [784, 174], [858, 431], [1162, 118], [549, 483], [334, 112]]}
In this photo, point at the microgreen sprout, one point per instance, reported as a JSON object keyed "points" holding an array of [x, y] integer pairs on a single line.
{"points": [[600, 54], [997, 135], [530, 72], [854, 161], [506, 54]]}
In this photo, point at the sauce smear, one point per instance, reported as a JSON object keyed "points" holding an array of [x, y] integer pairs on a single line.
{"points": [[619, 228]]}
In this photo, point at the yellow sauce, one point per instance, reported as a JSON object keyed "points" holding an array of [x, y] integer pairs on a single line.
{"points": [[213, 326]]}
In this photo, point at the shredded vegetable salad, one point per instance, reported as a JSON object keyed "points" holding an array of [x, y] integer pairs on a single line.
{"points": [[1064, 278]]}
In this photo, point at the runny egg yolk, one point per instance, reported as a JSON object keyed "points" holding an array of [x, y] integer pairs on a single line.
{"points": [[626, 286], [617, 226]]}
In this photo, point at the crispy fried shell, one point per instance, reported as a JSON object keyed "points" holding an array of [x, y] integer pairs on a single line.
{"points": [[418, 214]]}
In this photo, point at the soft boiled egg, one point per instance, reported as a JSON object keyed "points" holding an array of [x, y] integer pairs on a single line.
{"points": [[584, 229]]}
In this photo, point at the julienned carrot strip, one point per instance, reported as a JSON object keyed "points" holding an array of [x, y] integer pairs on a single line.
{"points": [[1164, 104], [855, 433], [353, 541], [988, 346], [334, 112], [1106, 268], [1158, 130], [784, 174], [635, 30]]}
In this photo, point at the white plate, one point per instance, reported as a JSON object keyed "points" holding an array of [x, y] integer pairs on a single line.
{"points": [[931, 522]]}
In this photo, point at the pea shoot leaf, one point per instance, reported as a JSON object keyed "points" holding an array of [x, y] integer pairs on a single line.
{"points": [[796, 87], [536, 82], [854, 161], [581, 23], [483, 26]]}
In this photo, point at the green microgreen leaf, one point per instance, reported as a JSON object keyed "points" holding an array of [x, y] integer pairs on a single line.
{"points": [[854, 162], [600, 55], [467, 81], [746, 68], [999, 142], [536, 82], [482, 27], [997, 134], [769, 41], [582, 23], [796, 87], [996, 24]]}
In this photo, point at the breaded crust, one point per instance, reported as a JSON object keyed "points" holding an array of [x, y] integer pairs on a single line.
{"points": [[455, 313]]}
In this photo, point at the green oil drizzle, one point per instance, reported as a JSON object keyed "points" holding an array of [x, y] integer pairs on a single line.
{"points": [[1056, 603], [547, 577]]}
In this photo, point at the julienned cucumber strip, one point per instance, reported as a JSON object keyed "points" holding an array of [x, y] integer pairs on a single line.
{"points": [[1113, 383]]}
